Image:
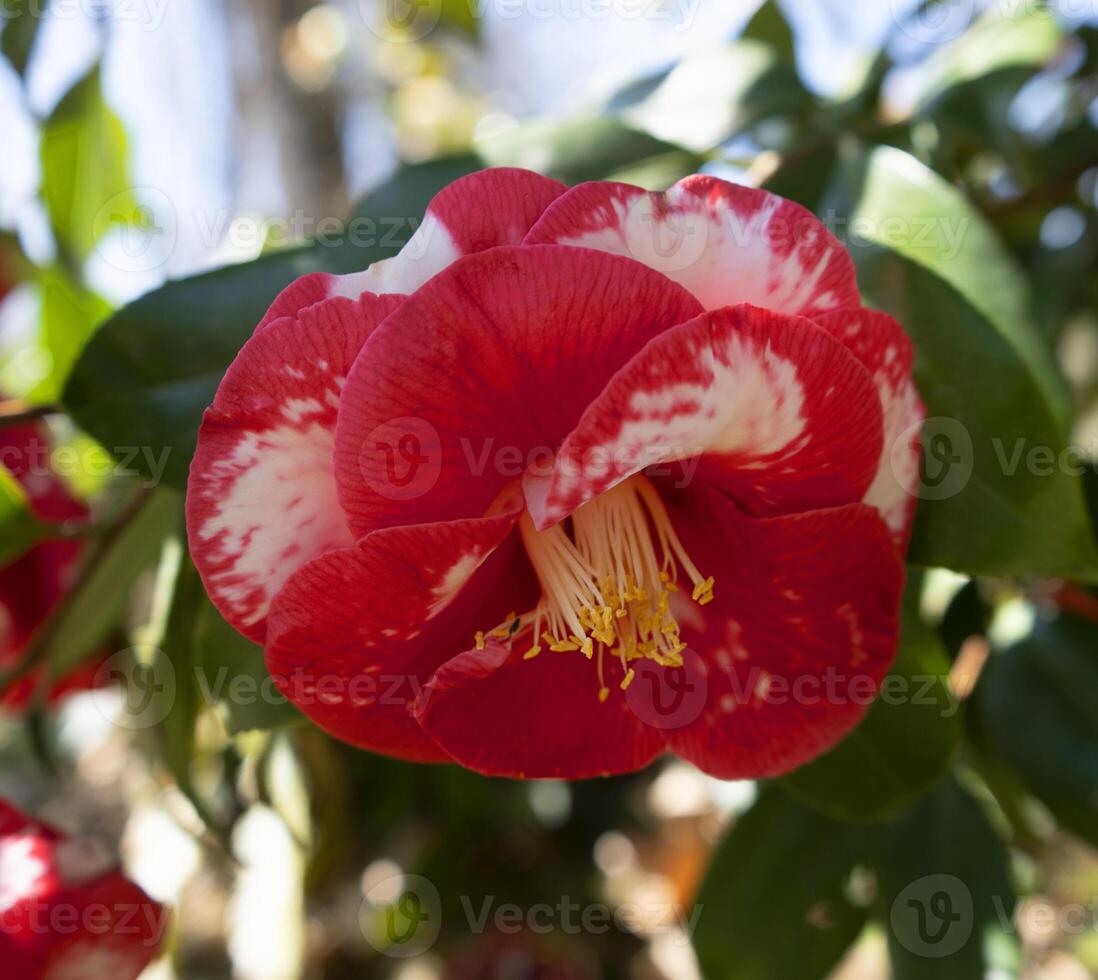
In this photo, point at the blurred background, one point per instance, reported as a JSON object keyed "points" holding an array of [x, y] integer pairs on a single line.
{"points": [[154, 140]]}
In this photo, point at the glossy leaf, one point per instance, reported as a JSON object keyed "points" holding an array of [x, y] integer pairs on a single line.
{"points": [[147, 375], [1038, 706], [776, 901], [998, 492], [945, 895], [904, 745]]}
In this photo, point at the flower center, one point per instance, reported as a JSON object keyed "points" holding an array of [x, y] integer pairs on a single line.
{"points": [[607, 576]]}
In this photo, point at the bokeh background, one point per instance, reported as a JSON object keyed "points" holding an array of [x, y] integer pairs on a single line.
{"points": [[148, 140]]}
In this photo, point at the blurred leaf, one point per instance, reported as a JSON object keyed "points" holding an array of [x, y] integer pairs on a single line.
{"points": [[1038, 706], [232, 671], [946, 897], [461, 14], [769, 26], [98, 600], [21, 21], [19, 529], [70, 314], [147, 375], [903, 746], [85, 181], [774, 902], [572, 150], [179, 590], [713, 95], [925, 256], [993, 43]]}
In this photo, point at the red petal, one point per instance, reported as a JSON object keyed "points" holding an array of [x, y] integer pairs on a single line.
{"points": [[726, 243], [355, 634], [534, 719], [783, 417], [481, 210], [261, 499], [880, 343], [802, 628], [483, 372]]}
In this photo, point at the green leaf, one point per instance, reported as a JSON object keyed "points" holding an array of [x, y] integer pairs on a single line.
{"points": [[21, 22], [98, 601], [572, 150], [70, 314], [19, 528], [85, 178], [945, 895], [230, 670], [769, 26], [149, 373], [1037, 706], [709, 97], [776, 901], [904, 745], [988, 504], [994, 43]]}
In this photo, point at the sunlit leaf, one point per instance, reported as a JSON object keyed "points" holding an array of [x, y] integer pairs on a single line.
{"points": [[85, 179]]}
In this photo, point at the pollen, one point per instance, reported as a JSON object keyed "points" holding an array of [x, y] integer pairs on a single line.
{"points": [[607, 575]]}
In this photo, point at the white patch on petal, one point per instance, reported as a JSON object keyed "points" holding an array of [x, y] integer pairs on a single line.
{"points": [[897, 474], [455, 579], [278, 509], [752, 407], [721, 256], [430, 250]]}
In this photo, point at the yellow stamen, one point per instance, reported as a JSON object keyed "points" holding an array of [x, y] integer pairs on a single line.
{"points": [[607, 575]]}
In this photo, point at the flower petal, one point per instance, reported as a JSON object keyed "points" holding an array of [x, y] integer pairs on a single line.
{"points": [[483, 372], [534, 719], [726, 243], [782, 416], [356, 633], [881, 344], [261, 499], [802, 628], [491, 207]]}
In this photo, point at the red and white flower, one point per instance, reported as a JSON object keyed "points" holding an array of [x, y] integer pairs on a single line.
{"points": [[580, 477], [66, 911]]}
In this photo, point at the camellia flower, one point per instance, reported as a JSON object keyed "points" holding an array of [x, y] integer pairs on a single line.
{"points": [[580, 477], [66, 911], [32, 585]]}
